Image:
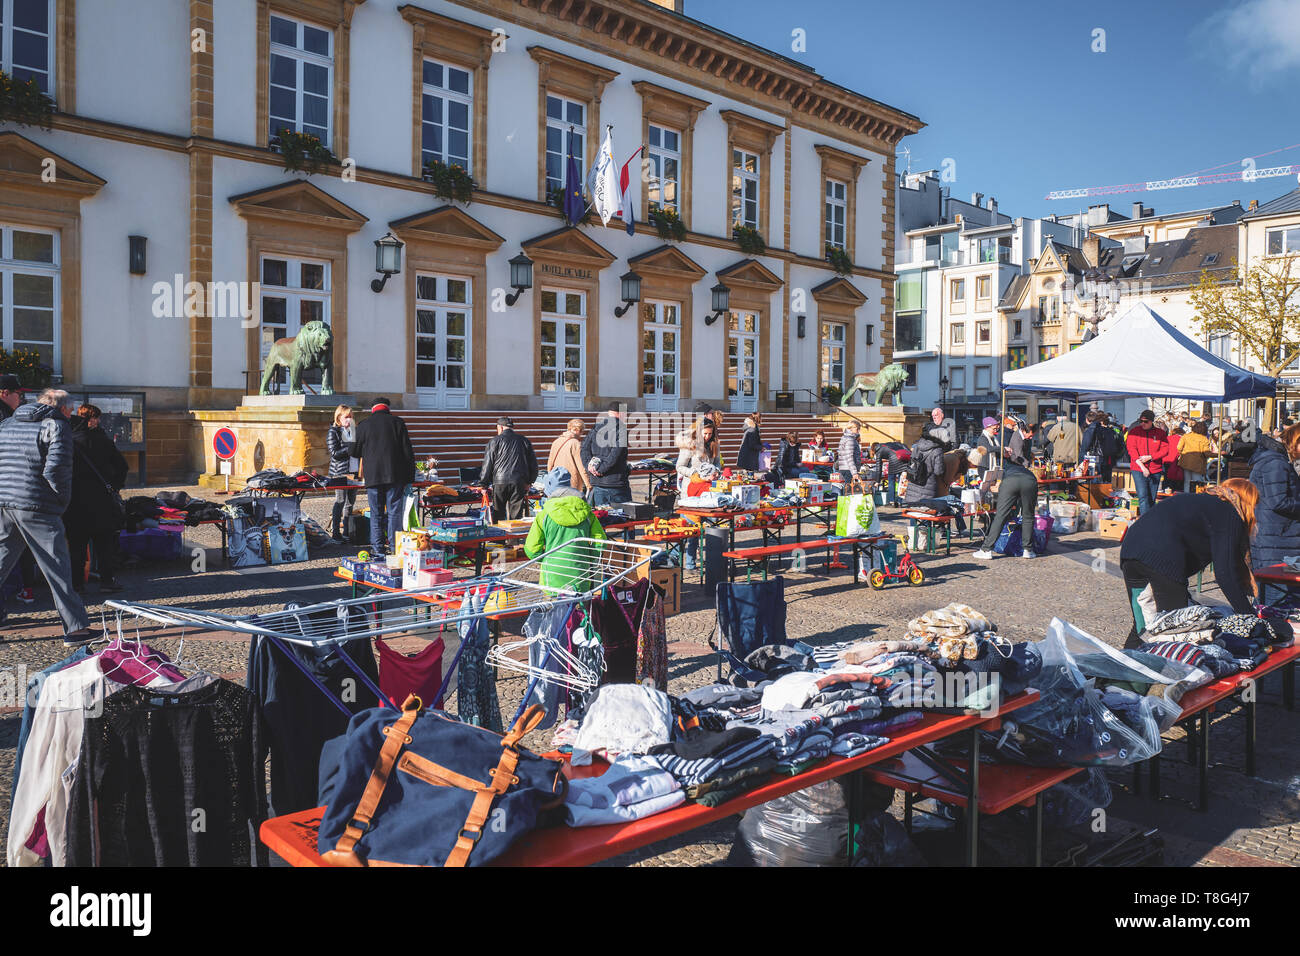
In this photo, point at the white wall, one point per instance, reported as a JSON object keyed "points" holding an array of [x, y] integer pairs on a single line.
{"points": [[134, 69]]}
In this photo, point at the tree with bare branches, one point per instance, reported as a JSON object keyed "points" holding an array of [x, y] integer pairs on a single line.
{"points": [[1259, 305]]}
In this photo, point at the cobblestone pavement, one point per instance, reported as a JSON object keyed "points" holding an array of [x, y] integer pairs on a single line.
{"points": [[1250, 821]]}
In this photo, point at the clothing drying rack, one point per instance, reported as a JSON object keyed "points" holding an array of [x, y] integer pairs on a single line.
{"points": [[578, 570]]}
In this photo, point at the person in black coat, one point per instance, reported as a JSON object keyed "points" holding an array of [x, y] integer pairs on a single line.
{"points": [[789, 462], [338, 445], [387, 467], [604, 451], [509, 469], [1277, 519], [95, 513], [1183, 535], [1100, 439], [929, 449], [751, 443]]}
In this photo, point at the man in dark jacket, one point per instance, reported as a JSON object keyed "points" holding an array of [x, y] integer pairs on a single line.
{"points": [[509, 469], [35, 488], [95, 513], [1018, 491], [11, 395], [387, 467], [1277, 514], [927, 463], [605, 452]]}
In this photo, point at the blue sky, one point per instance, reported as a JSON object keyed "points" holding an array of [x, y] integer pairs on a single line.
{"points": [[1014, 94]]}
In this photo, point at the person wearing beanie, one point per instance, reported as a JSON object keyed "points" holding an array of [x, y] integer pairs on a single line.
{"points": [[990, 439], [563, 517], [387, 468]]}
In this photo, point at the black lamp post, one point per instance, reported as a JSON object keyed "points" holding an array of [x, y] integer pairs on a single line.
{"points": [[521, 277], [631, 293], [721, 303], [388, 260]]}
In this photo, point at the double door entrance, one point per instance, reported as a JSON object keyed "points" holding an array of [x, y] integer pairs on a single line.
{"points": [[562, 358], [742, 361], [660, 355], [443, 317]]}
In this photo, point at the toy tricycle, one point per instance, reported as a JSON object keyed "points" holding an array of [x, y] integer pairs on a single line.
{"points": [[904, 568]]}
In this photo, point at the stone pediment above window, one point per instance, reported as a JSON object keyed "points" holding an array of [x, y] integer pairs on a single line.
{"points": [[568, 243], [449, 225], [668, 107], [667, 261], [28, 165], [750, 274], [568, 76], [837, 164], [448, 39], [838, 291], [299, 203], [749, 132]]}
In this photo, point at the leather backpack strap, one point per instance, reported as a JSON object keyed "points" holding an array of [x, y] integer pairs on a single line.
{"points": [[398, 735], [503, 778]]}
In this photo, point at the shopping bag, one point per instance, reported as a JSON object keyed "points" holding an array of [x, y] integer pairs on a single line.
{"points": [[1008, 542], [855, 515], [411, 510], [1042, 533], [245, 543]]}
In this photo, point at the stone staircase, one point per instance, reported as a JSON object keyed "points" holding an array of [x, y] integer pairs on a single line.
{"points": [[457, 439]]}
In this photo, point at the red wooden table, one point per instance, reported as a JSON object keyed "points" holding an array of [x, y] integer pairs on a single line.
{"points": [[1199, 705], [293, 836]]}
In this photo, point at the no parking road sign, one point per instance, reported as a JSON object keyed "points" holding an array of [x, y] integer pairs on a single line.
{"points": [[224, 443]]}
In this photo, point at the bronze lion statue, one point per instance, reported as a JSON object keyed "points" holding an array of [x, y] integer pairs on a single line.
{"points": [[312, 347], [888, 381]]}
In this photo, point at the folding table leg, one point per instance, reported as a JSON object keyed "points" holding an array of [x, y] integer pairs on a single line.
{"points": [[1137, 779], [908, 799], [1036, 832], [973, 800], [1204, 802], [1250, 738], [854, 787], [1288, 686], [1155, 777]]}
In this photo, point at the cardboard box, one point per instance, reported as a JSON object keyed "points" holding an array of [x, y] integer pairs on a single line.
{"points": [[379, 573], [353, 567], [515, 525], [420, 579], [413, 561], [1113, 527], [816, 493], [670, 579], [416, 540], [747, 495]]}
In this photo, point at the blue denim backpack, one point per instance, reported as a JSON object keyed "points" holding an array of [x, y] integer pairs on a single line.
{"points": [[425, 789]]}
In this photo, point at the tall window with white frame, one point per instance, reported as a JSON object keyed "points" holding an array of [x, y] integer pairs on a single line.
{"points": [[294, 292], [28, 41], [837, 205], [664, 148], [446, 104], [29, 293], [744, 188], [833, 340], [442, 340], [562, 117], [302, 78]]}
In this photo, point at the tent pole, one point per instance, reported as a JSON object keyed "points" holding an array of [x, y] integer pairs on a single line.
{"points": [[1001, 426]]}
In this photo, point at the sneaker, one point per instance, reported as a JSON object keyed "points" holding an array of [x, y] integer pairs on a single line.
{"points": [[1028, 554], [27, 596], [984, 555], [78, 638]]}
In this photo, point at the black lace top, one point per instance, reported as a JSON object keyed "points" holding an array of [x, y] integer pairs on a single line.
{"points": [[170, 780]]}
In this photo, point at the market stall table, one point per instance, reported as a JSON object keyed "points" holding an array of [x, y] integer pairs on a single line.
{"points": [[1199, 704], [293, 836]]}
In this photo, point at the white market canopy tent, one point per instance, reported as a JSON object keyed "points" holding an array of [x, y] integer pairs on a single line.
{"points": [[1140, 354]]}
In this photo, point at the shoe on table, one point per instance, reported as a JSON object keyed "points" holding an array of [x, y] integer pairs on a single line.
{"points": [[984, 555], [78, 638], [27, 596]]}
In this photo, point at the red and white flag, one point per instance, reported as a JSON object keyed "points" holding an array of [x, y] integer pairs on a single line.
{"points": [[625, 194]]}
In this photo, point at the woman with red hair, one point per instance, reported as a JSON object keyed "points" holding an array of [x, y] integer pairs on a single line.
{"points": [[1184, 535]]}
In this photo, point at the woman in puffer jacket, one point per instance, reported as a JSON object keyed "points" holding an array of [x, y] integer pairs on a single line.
{"points": [[929, 449], [339, 450], [1277, 516]]}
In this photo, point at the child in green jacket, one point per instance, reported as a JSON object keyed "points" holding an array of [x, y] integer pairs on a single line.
{"points": [[565, 515]]}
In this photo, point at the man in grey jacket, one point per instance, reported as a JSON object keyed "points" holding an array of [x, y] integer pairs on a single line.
{"points": [[35, 487]]}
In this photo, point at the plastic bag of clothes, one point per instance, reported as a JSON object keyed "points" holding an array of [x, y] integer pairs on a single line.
{"points": [[806, 828], [1074, 802], [1098, 707]]}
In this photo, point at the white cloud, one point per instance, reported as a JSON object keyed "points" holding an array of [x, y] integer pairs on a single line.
{"points": [[1261, 37]]}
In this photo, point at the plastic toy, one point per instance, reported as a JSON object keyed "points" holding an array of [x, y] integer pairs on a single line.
{"points": [[363, 555], [905, 569]]}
